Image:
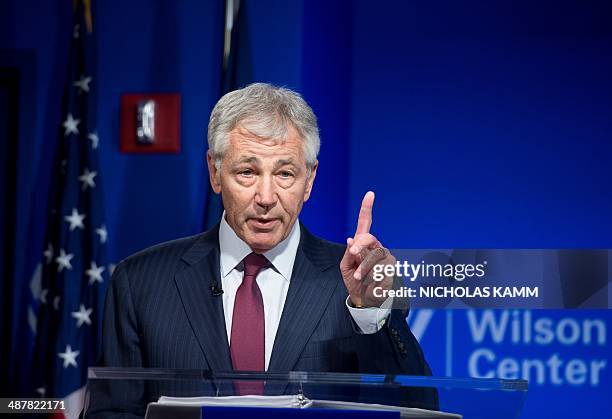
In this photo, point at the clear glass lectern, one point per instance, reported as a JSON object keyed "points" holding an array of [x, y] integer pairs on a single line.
{"points": [[127, 392]]}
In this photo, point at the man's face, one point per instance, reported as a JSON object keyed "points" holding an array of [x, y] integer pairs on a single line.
{"points": [[263, 184]]}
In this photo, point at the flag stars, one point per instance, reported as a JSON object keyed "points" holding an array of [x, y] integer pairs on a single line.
{"points": [[56, 302], [75, 31], [42, 391], [102, 233], [69, 357], [71, 125], [88, 179], [82, 316], [93, 137], [63, 260], [48, 254], [95, 273], [75, 219], [82, 84]]}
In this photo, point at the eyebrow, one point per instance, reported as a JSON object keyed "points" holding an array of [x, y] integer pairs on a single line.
{"points": [[277, 164], [284, 162]]}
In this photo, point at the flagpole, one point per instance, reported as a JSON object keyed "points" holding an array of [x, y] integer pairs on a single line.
{"points": [[231, 11], [213, 207]]}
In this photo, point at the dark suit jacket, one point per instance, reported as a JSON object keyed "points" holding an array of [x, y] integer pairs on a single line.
{"points": [[160, 313]]}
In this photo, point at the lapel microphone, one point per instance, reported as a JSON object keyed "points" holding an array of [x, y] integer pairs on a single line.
{"points": [[215, 290]]}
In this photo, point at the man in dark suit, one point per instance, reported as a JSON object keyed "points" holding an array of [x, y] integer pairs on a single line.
{"points": [[259, 292]]}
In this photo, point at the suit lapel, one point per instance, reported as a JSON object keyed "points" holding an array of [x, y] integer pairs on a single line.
{"points": [[310, 290], [205, 311]]}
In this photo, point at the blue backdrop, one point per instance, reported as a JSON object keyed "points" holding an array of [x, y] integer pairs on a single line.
{"points": [[477, 123]]}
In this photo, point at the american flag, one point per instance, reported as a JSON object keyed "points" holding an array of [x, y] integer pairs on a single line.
{"points": [[74, 270]]}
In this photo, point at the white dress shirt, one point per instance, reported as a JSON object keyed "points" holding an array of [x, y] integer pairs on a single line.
{"points": [[274, 284]]}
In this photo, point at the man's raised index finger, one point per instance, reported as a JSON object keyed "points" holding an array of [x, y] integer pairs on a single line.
{"points": [[364, 222]]}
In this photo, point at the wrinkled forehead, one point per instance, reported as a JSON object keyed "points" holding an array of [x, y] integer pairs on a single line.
{"points": [[244, 134], [245, 144], [270, 126]]}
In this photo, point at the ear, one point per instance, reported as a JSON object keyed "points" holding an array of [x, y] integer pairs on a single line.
{"points": [[310, 181], [213, 173]]}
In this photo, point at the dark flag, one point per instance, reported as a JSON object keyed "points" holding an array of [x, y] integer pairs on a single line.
{"points": [[234, 19], [74, 273]]}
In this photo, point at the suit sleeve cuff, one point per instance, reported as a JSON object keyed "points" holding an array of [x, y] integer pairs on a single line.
{"points": [[372, 319]]}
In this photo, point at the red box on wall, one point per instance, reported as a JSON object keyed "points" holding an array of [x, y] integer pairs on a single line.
{"points": [[165, 124]]}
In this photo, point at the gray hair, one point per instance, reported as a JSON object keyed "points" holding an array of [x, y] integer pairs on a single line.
{"points": [[266, 111]]}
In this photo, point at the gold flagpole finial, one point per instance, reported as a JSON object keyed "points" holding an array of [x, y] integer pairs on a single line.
{"points": [[86, 12], [88, 18]]}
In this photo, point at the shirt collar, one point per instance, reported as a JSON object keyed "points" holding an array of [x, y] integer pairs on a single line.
{"points": [[233, 250]]}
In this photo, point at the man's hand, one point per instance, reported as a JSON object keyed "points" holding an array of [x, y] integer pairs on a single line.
{"points": [[363, 252]]}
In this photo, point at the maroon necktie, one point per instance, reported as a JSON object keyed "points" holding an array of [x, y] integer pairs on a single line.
{"points": [[247, 345]]}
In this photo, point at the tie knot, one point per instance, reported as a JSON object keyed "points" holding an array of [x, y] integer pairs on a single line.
{"points": [[253, 263]]}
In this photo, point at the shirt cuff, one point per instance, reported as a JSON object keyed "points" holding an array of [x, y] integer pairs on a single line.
{"points": [[371, 319]]}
